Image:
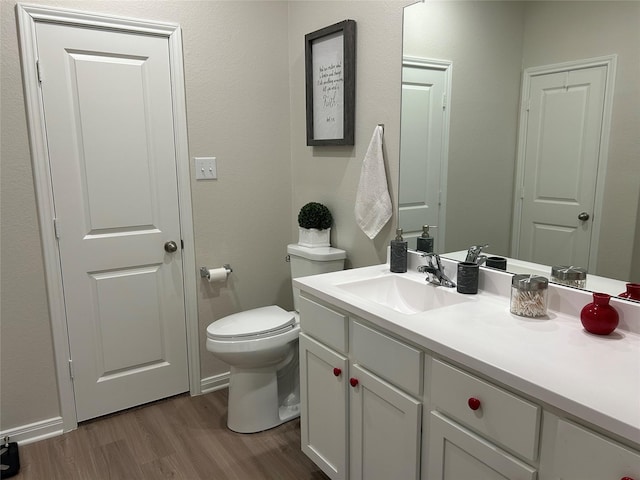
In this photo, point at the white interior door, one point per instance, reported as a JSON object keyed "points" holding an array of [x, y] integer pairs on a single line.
{"points": [[109, 126], [561, 154], [423, 151]]}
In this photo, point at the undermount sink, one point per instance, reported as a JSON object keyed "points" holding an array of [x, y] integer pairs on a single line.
{"points": [[403, 294]]}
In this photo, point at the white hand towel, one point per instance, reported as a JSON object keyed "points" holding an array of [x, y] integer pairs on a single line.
{"points": [[373, 203]]}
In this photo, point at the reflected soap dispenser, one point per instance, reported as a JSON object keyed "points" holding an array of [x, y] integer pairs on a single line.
{"points": [[424, 243], [398, 261]]}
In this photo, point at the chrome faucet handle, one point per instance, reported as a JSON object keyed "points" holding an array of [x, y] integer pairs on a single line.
{"points": [[433, 260], [429, 267], [435, 271], [438, 263], [474, 252]]}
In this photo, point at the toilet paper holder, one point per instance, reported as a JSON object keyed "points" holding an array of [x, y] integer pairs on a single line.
{"points": [[204, 271]]}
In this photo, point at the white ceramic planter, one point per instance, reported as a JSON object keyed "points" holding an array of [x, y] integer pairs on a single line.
{"points": [[312, 237]]}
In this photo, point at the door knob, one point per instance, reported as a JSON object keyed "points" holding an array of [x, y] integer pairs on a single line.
{"points": [[583, 216], [474, 403], [170, 247]]}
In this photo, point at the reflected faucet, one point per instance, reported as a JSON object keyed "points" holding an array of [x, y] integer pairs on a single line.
{"points": [[435, 271], [473, 254]]}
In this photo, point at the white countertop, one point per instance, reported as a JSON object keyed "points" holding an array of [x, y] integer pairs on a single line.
{"points": [[553, 359]]}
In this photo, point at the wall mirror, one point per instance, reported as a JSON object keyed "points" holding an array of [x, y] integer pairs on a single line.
{"points": [[467, 129]]}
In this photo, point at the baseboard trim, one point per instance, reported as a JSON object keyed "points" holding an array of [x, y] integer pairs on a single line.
{"points": [[34, 432], [215, 382]]}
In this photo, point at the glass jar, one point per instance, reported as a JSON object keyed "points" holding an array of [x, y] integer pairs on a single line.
{"points": [[529, 295], [571, 276]]}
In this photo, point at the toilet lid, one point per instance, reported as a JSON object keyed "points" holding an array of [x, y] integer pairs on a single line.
{"points": [[258, 322]]}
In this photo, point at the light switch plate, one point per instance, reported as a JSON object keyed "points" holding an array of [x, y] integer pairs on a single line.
{"points": [[206, 168]]}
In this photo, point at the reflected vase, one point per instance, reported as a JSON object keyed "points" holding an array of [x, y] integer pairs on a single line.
{"points": [[599, 317], [633, 292]]}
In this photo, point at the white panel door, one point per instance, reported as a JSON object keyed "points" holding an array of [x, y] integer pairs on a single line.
{"points": [[563, 137], [422, 150], [109, 124]]}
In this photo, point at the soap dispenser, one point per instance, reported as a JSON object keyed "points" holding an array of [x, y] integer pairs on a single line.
{"points": [[398, 261], [424, 243]]}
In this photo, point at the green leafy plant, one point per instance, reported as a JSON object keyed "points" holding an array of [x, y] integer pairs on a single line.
{"points": [[315, 215]]}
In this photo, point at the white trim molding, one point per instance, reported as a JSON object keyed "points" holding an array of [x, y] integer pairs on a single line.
{"points": [[215, 382], [28, 16], [34, 432]]}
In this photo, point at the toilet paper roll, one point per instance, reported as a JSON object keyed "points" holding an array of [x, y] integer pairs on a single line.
{"points": [[217, 275]]}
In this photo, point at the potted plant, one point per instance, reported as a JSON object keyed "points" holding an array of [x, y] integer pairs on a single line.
{"points": [[315, 222]]}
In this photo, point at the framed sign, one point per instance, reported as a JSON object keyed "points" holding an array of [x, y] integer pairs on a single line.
{"points": [[330, 71]]}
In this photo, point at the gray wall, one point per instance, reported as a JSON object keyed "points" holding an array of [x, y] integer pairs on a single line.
{"points": [[331, 174], [244, 69]]}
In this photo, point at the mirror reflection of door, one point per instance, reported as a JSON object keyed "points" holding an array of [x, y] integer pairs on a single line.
{"points": [[561, 135], [423, 148]]}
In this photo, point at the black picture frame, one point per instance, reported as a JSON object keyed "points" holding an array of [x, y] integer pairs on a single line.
{"points": [[330, 74]]}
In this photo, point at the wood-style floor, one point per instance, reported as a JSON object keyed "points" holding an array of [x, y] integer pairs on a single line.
{"points": [[179, 438]]}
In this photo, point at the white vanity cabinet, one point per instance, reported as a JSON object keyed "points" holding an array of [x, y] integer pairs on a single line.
{"points": [[480, 431], [385, 406], [477, 430], [374, 406], [356, 422], [324, 398]]}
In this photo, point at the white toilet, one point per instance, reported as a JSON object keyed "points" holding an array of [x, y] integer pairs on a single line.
{"points": [[261, 348]]}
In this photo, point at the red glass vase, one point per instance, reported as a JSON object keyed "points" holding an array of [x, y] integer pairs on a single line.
{"points": [[633, 291], [599, 317]]}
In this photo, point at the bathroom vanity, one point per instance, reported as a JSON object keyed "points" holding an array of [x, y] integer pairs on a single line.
{"points": [[401, 379]]}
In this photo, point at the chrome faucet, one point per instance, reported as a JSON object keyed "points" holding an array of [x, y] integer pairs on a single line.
{"points": [[473, 254], [435, 271]]}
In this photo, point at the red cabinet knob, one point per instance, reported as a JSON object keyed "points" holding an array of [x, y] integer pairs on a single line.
{"points": [[474, 403], [354, 382], [337, 371], [626, 478]]}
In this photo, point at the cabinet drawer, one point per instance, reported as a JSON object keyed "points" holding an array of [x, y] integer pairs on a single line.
{"points": [[388, 358], [324, 324], [501, 416], [580, 453]]}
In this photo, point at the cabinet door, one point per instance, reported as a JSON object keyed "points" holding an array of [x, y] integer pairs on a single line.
{"points": [[580, 453], [385, 428], [456, 453], [323, 407]]}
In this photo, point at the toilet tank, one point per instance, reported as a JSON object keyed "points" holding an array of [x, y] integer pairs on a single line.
{"points": [[307, 261]]}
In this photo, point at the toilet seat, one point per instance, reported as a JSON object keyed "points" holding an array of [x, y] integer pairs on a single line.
{"points": [[251, 324]]}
